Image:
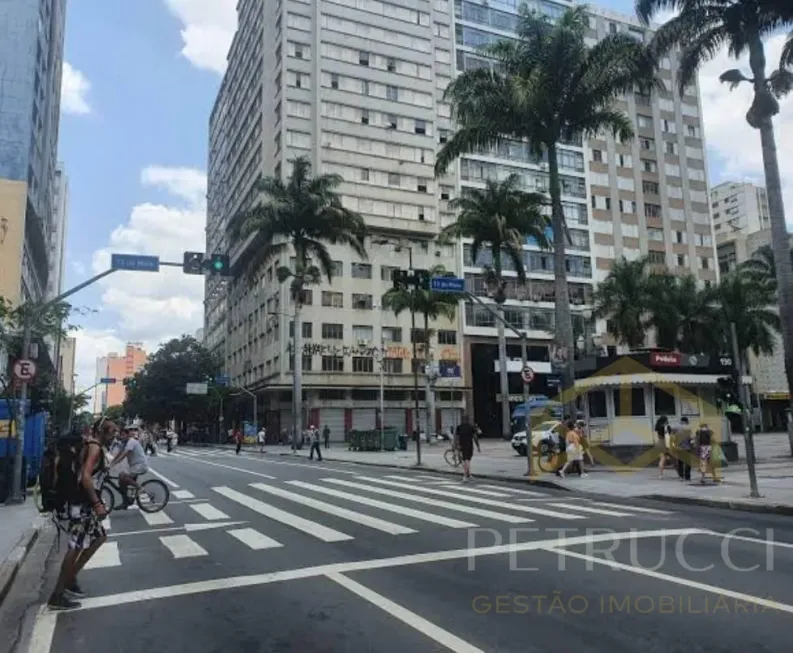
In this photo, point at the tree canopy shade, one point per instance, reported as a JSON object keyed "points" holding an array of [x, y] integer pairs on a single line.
{"points": [[544, 88], [431, 304]]}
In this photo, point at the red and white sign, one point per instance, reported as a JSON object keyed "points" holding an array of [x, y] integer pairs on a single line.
{"points": [[665, 358], [527, 374], [24, 370]]}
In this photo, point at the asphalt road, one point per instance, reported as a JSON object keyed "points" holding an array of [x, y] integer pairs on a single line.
{"points": [[261, 554]]}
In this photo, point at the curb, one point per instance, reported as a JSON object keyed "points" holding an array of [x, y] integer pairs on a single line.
{"points": [[443, 472], [731, 504], [10, 566]]}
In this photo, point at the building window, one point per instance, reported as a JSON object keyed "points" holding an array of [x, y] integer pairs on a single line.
{"points": [[671, 148], [332, 364], [387, 272], [334, 80], [447, 337], [298, 51], [644, 122], [393, 179], [652, 210], [332, 299], [391, 121], [363, 58], [307, 329], [418, 335], [361, 301], [422, 185], [681, 260], [361, 271], [392, 93], [299, 80], [656, 257], [597, 155], [306, 297], [392, 365], [650, 188], [649, 166], [364, 116], [443, 135], [647, 143], [363, 364], [364, 87], [392, 334], [705, 263], [332, 331], [391, 65], [337, 269], [364, 174], [420, 126]]}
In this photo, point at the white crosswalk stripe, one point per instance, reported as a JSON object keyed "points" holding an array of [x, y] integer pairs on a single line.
{"points": [[530, 493], [583, 508], [482, 501], [156, 518], [106, 556], [253, 539], [182, 494], [652, 511], [384, 505], [437, 503], [208, 511], [307, 526], [470, 490], [359, 518], [183, 546]]}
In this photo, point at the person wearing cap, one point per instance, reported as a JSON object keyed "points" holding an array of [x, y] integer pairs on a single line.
{"points": [[313, 434]]}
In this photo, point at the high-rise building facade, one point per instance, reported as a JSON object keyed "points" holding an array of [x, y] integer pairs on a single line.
{"points": [[738, 206], [31, 49], [60, 225], [118, 367], [357, 87]]}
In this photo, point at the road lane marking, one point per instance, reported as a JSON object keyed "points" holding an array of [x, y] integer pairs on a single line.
{"points": [[105, 556], [254, 539], [43, 631], [435, 503], [425, 627], [487, 502], [469, 490], [203, 526], [106, 524], [162, 478], [756, 540], [208, 511], [270, 461], [183, 494], [713, 589], [513, 491], [156, 518], [182, 546], [594, 511], [651, 511], [307, 526], [337, 511], [389, 507], [235, 582], [236, 469]]}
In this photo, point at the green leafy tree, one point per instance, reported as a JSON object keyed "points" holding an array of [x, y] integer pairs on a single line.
{"points": [[546, 88], [499, 218], [302, 216], [624, 299], [700, 30], [433, 306]]}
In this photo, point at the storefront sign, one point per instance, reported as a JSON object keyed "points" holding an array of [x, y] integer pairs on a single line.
{"points": [[665, 359], [347, 351]]}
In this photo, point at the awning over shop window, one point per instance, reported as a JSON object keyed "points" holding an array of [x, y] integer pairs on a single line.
{"points": [[650, 378]]}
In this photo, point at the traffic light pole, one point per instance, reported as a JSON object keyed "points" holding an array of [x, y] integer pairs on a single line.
{"points": [[748, 435]]}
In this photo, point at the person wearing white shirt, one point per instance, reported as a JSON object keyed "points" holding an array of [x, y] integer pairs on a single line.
{"points": [[260, 438]]}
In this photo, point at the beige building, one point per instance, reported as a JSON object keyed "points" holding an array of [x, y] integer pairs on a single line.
{"points": [[118, 367], [357, 86], [66, 364]]}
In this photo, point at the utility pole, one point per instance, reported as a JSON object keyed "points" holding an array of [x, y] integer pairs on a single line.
{"points": [[745, 403]]}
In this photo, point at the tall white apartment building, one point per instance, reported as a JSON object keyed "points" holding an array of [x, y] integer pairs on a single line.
{"points": [[357, 86], [738, 206]]}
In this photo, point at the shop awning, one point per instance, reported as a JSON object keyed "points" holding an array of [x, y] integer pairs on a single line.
{"points": [[651, 378]]}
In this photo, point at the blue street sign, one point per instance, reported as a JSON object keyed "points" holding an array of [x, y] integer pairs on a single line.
{"points": [[136, 262], [107, 381], [222, 379], [447, 284]]}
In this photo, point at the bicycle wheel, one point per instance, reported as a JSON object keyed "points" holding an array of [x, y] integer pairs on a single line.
{"points": [[451, 458], [547, 459], [153, 495], [108, 497]]}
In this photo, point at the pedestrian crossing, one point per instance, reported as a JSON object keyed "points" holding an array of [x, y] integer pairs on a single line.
{"points": [[360, 506]]}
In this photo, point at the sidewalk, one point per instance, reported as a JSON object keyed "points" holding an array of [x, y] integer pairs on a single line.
{"points": [[21, 525], [497, 461]]}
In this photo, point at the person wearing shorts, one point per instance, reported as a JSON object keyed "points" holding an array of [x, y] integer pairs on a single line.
{"points": [[137, 462], [466, 437]]}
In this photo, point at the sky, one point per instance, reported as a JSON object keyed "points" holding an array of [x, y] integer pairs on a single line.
{"points": [[139, 81]]}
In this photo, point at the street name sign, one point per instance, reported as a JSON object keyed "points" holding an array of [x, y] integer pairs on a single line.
{"points": [[447, 284], [135, 262], [195, 388]]}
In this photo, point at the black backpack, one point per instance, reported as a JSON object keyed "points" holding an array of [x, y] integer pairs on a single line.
{"points": [[59, 476]]}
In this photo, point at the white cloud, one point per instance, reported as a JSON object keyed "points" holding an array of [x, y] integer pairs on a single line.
{"points": [[152, 307], [733, 146], [92, 344], [207, 30], [74, 91]]}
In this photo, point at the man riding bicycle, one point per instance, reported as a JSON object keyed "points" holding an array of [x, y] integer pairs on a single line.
{"points": [[136, 460]]}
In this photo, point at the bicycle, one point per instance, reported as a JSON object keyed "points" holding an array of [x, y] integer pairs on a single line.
{"points": [[452, 457], [145, 495]]}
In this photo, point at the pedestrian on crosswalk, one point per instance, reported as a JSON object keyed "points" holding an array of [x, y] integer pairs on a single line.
{"points": [[238, 440], [313, 434]]}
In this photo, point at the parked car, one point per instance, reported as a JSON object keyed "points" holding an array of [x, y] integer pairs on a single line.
{"points": [[544, 435]]}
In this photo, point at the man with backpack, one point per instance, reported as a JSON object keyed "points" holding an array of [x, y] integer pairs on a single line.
{"points": [[68, 490]]}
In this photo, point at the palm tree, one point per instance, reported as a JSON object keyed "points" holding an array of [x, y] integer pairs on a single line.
{"points": [[303, 215], [546, 88], [500, 217], [624, 299], [432, 305], [682, 313], [700, 30], [761, 266]]}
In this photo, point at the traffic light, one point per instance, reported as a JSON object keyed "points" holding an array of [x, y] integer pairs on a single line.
{"points": [[727, 391], [422, 279], [193, 263], [400, 279], [219, 265]]}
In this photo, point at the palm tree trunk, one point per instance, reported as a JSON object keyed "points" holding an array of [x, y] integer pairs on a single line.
{"points": [[506, 430], [297, 378], [779, 232], [429, 390], [562, 314]]}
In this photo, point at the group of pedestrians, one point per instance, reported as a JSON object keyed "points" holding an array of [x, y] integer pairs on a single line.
{"points": [[682, 446]]}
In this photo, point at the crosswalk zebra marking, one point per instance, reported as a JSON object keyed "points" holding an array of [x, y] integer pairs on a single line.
{"points": [[388, 507], [470, 490], [183, 494], [183, 546], [208, 511], [156, 518], [307, 526], [436, 503], [337, 511], [472, 499], [106, 524], [106, 556], [253, 539], [531, 493], [652, 511], [595, 511]]}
